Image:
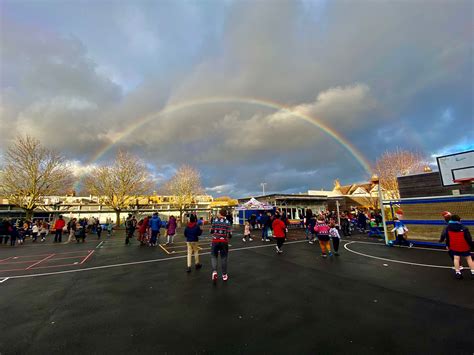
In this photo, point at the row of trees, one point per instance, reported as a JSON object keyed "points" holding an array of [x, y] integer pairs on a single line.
{"points": [[31, 172]]}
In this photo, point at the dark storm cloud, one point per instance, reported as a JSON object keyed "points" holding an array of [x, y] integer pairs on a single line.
{"points": [[382, 74]]}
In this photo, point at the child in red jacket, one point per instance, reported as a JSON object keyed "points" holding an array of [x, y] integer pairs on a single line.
{"points": [[459, 242], [322, 232], [279, 228]]}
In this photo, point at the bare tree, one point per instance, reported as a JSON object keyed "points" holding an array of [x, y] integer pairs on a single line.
{"points": [[393, 164], [184, 186], [31, 172], [119, 184]]}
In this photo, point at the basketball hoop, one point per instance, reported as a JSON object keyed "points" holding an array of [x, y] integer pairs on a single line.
{"points": [[465, 185], [464, 181], [457, 168]]}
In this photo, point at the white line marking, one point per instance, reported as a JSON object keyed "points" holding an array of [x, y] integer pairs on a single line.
{"points": [[140, 262], [98, 246], [3, 280], [87, 257], [39, 262], [420, 248], [392, 260]]}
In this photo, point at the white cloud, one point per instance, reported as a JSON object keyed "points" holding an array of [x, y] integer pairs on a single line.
{"points": [[79, 169], [221, 189]]}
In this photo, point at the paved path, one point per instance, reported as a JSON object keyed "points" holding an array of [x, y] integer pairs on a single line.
{"points": [[138, 300]]}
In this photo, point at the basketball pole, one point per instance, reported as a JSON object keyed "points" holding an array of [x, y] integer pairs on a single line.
{"points": [[382, 211]]}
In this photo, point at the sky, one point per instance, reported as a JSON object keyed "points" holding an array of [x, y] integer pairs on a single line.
{"points": [[291, 93]]}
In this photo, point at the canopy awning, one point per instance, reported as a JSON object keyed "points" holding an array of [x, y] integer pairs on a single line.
{"points": [[254, 204]]}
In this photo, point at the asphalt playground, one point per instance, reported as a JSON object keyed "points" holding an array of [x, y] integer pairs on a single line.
{"points": [[105, 297]]}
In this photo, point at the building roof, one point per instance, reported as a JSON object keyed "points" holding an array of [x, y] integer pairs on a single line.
{"points": [[278, 197]]}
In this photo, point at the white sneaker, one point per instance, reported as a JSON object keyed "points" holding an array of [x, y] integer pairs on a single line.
{"points": [[244, 240], [214, 276], [250, 239], [225, 277], [278, 249]]}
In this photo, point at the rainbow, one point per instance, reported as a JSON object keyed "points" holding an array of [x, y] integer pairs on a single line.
{"points": [[242, 100]]}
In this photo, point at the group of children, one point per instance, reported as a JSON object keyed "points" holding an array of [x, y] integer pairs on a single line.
{"points": [[323, 230], [149, 229], [19, 232]]}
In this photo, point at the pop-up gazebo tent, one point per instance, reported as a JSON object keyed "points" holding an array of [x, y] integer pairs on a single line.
{"points": [[250, 207]]}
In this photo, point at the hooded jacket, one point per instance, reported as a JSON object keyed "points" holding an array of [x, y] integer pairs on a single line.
{"points": [[278, 228], [192, 232], [458, 238], [155, 223], [60, 223], [322, 231], [171, 226]]}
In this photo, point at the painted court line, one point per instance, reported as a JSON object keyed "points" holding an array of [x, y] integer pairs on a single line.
{"points": [[33, 261], [55, 266], [87, 257], [20, 262], [166, 251], [10, 270], [185, 251], [48, 257], [39, 255], [3, 280], [1, 261], [419, 248], [182, 246], [391, 260], [140, 262]]}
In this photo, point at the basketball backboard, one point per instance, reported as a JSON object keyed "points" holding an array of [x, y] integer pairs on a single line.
{"points": [[458, 166]]}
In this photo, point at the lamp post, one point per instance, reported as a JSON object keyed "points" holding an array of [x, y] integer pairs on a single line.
{"points": [[263, 187]]}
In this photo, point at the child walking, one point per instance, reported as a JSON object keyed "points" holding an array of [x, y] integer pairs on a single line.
{"points": [[247, 234], [171, 230], [459, 242], [43, 231], [322, 233], [221, 231], [192, 233], [401, 232], [23, 233], [279, 228], [14, 235], [109, 229], [98, 229], [35, 230], [81, 233], [336, 238]]}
